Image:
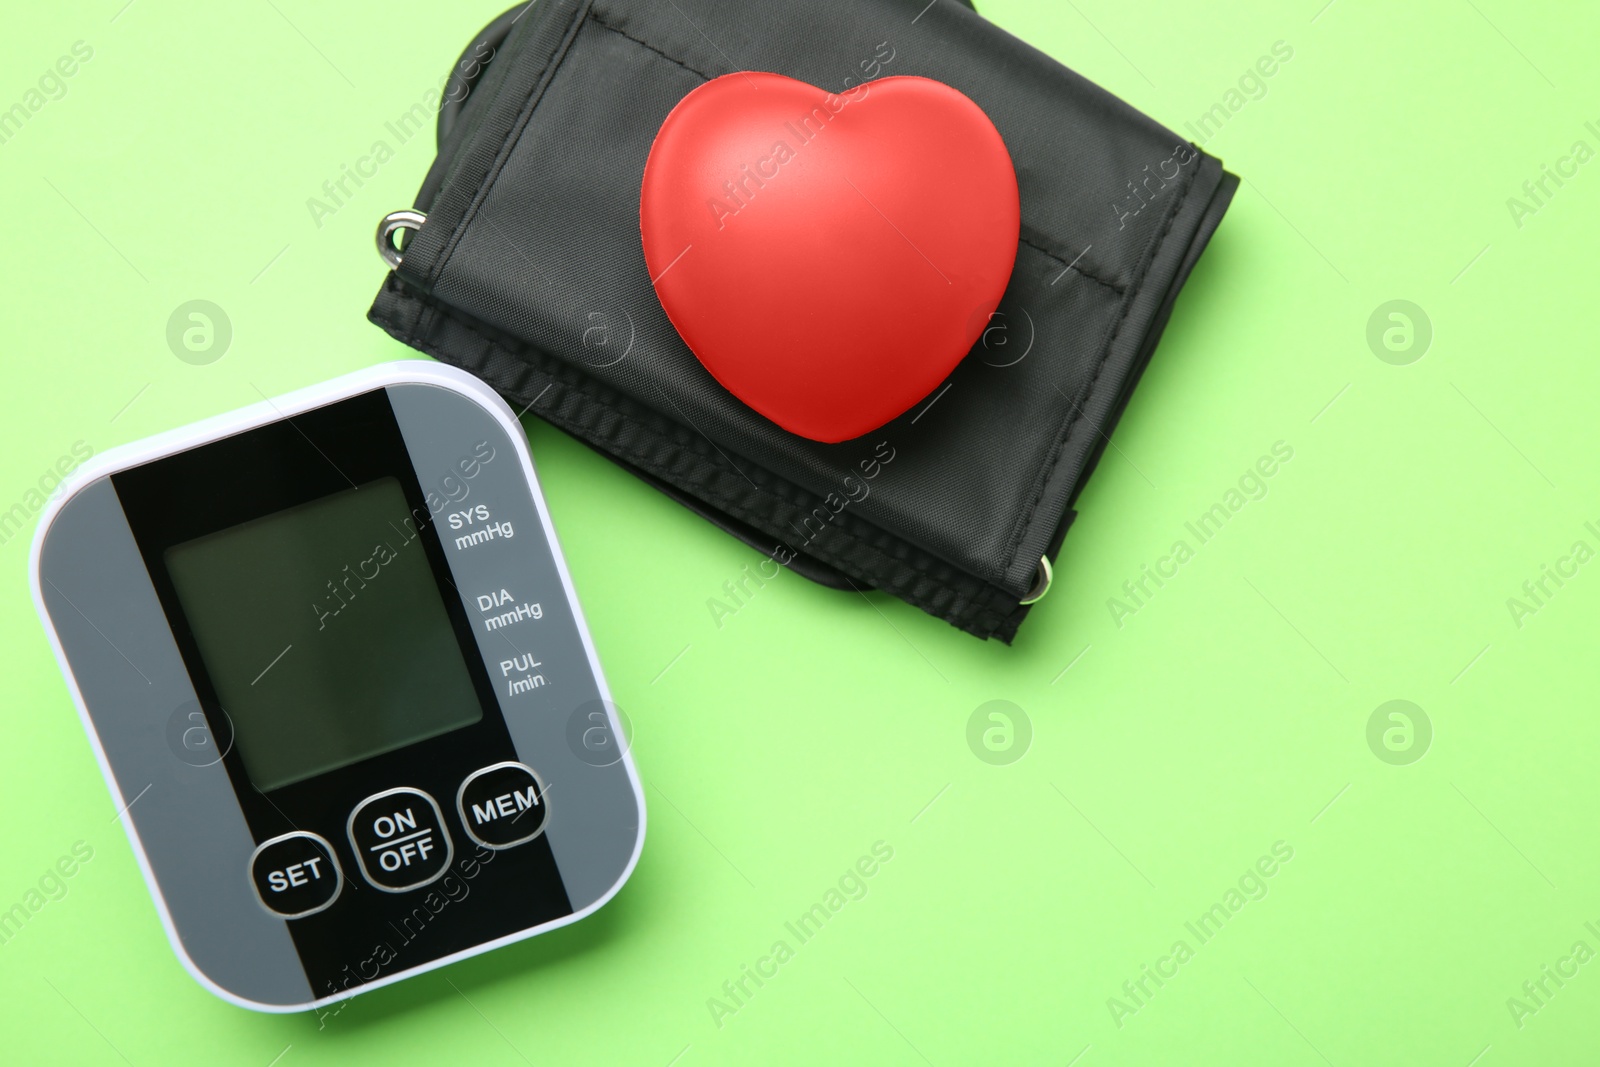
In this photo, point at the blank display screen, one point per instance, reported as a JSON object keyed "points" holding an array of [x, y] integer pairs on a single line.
{"points": [[324, 633]]}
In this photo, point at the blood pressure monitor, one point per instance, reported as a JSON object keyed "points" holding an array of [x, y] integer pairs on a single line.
{"points": [[329, 657]]}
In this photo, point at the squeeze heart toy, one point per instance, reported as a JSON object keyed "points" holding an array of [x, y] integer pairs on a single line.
{"points": [[829, 258]]}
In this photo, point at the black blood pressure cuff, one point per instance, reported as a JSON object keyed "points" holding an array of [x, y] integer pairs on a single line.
{"points": [[529, 272]]}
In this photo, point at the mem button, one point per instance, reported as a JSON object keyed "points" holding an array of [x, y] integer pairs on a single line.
{"points": [[295, 875], [400, 840], [502, 805]]}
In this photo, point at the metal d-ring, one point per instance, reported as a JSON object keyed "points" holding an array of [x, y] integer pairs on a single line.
{"points": [[1042, 578], [393, 221]]}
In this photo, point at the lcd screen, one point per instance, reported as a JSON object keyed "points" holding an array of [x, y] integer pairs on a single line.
{"points": [[324, 634]]}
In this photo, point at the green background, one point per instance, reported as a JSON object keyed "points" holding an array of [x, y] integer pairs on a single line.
{"points": [[1167, 754]]}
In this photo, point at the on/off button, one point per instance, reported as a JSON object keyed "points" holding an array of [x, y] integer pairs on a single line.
{"points": [[399, 839]]}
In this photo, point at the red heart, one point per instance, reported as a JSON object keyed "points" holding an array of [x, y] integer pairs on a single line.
{"points": [[829, 258]]}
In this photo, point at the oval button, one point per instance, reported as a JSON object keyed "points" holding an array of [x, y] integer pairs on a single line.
{"points": [[295, 875], [400, 840], [502, 805]]}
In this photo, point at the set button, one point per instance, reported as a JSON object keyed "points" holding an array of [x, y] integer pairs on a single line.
{"points": [[295, 875], [400, 839], [502, 805]]}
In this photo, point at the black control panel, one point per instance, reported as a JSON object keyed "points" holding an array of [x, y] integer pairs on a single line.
{"points": [[379, 849]]}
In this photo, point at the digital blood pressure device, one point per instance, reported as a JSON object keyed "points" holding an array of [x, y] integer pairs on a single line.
{"points": [[329, 656]]}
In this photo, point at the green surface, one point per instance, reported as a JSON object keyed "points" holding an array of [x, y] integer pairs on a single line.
{"points": [[1169, 754]]}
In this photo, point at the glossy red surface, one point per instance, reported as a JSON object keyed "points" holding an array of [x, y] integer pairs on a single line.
{"points": [[829, 258]]}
